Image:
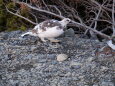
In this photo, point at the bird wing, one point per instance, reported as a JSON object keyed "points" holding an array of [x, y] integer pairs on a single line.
{"points": [[49, 24], [45, 25]]}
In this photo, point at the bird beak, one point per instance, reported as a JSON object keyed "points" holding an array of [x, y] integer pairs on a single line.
{"points": [[70, 21]]}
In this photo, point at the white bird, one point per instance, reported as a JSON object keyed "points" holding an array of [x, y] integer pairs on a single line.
{"points": [[111, 43], [49, 29]]}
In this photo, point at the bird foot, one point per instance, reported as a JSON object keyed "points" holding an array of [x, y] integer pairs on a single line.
{"points": [[55, 40], [43, 40]]}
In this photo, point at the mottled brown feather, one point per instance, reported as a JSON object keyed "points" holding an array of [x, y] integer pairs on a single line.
{"points": [[50, 24], [34, 31]]}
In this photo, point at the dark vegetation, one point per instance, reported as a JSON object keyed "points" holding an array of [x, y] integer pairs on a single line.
{"points": [[89, 16], [11, 22]]}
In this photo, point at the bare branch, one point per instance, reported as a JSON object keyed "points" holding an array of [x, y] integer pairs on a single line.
{"points": [[34, 16], [56, 9], [21, 16], [40, 10], [97, 32], [105, 21], [74, 23], [97, 18], [45, 5], [113, 18]]}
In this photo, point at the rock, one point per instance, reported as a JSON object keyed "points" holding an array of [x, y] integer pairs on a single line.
{"points": [[69, 33], [90, 59], [29, 62], [95, 85], [75, 63], [62, 57], [33, 48], [103, 68], [107, 84]]}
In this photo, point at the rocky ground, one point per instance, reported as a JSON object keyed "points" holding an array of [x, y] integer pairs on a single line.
{"points": [[29, 62]]}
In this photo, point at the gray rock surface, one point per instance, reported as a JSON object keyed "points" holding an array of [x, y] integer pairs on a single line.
{"points": [[29, 62]]}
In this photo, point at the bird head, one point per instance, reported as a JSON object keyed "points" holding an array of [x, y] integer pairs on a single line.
{"points": [[65, 21]]}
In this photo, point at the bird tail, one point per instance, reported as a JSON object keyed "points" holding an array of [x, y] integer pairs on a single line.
{"points": [[32, 32], [27, 33]]}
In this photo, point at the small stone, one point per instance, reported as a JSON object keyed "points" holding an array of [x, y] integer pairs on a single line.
{"points": [[75, 63], [103, 68], [69, 33], [95, 85], [107, 84], [33, 48], [62, 57], [68, 74], [90, 59]]}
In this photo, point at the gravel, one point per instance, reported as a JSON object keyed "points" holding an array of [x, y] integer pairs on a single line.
{"points": [[29, 62]]}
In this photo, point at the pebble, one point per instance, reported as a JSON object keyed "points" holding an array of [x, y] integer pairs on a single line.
{"points": [[62, 57], [103, 68], [95, 85], [69, 33], [90, 59], [75, 63], [107, 84]]}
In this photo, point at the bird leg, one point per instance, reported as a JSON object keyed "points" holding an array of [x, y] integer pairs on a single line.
{"points": [[43, 39], [53, 40]]}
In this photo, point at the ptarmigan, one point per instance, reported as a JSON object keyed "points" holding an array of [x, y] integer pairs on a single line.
{"points": [[49, 29]]}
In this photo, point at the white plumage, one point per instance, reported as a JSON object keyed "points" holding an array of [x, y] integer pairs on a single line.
{"points": [[111, 44], [49, 29]]}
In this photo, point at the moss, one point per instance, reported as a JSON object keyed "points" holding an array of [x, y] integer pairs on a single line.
{"points": [[14, 23], [2, 28], [24, 10], [11, 22], [1, 2], [23, 28], [11, 5], [2, 16]]}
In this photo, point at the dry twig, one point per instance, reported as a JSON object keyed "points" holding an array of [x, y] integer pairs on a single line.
{"points": [[95, 12]]}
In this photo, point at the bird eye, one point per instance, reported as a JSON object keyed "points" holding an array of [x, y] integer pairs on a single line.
{"points": [[68, 20]]}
